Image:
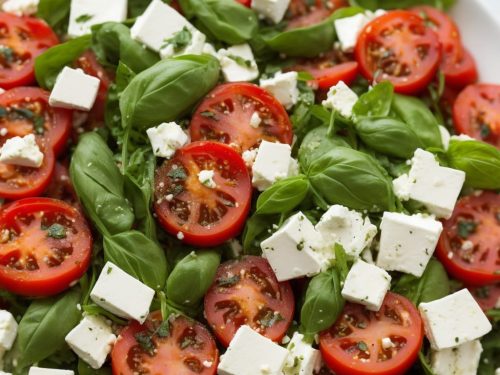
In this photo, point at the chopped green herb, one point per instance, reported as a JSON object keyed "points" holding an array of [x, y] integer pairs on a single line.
{"points": [[483, 292], [228, 281], [39, 124], [300, 245], [7, 53], [3, 112], [109, 271], [270, 319], [177, 174], [362, 346], [209, 114], [164, 329], [180, 39], [188, 341], [466, 228], [145, 341], [484, 130], [84, 18], [240, 61], [56, 231]]}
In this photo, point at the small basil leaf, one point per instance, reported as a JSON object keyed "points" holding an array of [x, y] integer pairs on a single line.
{"points": [[283, 196], [256, 229], [375, 102], [55, 13]]}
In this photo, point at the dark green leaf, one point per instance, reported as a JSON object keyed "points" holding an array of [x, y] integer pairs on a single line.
{"points": [[283, 196], [256, 229], [85, 369], [55, 13]]}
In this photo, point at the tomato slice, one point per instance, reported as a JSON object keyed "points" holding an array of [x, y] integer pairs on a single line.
{"points": [[304, 13], [26, 110], [60, 186], [246, 292], [353, 345], [247, 3], [476, 112], [398, 47], [45, 246], [22, 39], [224, 116], [179, 346], [469, 246], [487, 296], [194, 212]]}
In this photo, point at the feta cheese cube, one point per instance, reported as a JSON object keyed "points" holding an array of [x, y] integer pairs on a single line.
{"points": [[367, 285], [273, 10], [284, 87], [445, 137], [167, 138], [349, 28], [302, 358], [48, 371], [22, 151], [21, 7], [86, 13], [209, 50], [195, 45], [5, 373], [238, 63], [8, 330], [255, 120], [74, 90], [341, 98], [436, 187], [462, 360], [271, 164], [250, 353], [453, 320], [347, 228], [206, 177], [290, 250], [122, 294], [92, 340]]}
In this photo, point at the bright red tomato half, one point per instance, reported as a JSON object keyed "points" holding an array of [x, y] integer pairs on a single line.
{"points": [[45, 245], [398, 47], [246, 292], [179, 346], [487, 296], [22, 39], [469, 246], [353, 345], [304, 13]]}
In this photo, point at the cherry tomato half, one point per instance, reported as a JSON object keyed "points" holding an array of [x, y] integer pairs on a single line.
{"points": [[60, 186], [353, 345], [487, 296], [246, 292], [398, 47], [45, 245], [304, 13], [179, 346], [469, 246]]}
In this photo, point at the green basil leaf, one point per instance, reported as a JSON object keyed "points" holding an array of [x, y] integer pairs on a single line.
{"points": [[85, 369], [256, 230], [399, 4], [479, 160], [283, 196], [55, 13], [139, 256], [376, 102], [192, 276], [50, 63]]}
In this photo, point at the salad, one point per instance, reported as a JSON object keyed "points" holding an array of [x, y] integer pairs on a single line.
{"points": [[236, 187]]}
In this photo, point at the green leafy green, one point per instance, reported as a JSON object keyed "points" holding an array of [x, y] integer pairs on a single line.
{"points": [[399, 4], [180, 39], [283, 196], [376, 102], [85, 369], [55, 13]]}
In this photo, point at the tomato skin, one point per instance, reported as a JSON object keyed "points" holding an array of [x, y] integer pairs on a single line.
{"points": [[303, 13], [247, 3], [487, 296], [61, 188], [327, 74]]}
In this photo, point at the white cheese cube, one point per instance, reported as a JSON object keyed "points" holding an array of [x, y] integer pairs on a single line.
{"points": [[167, 138], [462, 360], [22, 151], [92, 340], [461, 137], [347, 228], [290, 250], [21, 7], [284, 87], [74, 90], [48, 371], [273, 10], [194, 47], [453, 320], [238, 63], [206, 177], [5, 373], [367, 285], [497, 371], [407, 242], [8, 330], [86, 13], [209, 49], [445, 137], [271, 164], [436, 187], [121, 294], [250, 353], [348, 30], [341, 98], [302, 358]]}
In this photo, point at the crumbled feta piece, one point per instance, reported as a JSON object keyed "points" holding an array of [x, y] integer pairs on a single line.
{"points": [[21, 7], [265, 357], [349, 28], [167, 138], [209, 50], [302, 358], [48, 371], [206, 178], [387, 343], [367, 285], [4, 373], [341, 98], [284, 87], [255, 120], [273, 10], [238, 63], [290, 250], [22, 151], [194, 47], [121, 294], [8, 330], [445, 137], [453, 320], [293, 168], [372, 15], [92, 340], [74, 90], [271, 164], [407, 242], [86, 13], [249, 157], [461, 137], [462, 360], [436, 187]]}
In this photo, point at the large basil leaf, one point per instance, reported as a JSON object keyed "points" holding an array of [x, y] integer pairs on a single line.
{"points": [[353, 179], [283, 196], [375, 102], [480, 161], [100, 186], [139, 256], [490, 358], [55, 13], [50, 63]]}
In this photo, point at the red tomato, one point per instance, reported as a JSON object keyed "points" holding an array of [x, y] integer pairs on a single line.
{"points": [[246, 292], [304, 13], [224, 116], [60, 186], [487, 296], [22, 40], [476, 112], [469, 246], [198, 214], [26, 111], [399, 48], [45, 246], [353, 345], [246, 3], [179, 346]]}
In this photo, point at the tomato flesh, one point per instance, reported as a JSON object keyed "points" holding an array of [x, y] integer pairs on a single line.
{"points": [[487, 296], [304, 13]]}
